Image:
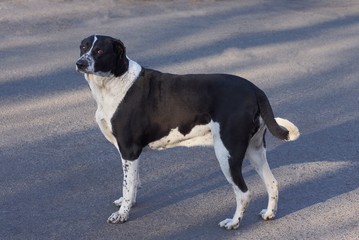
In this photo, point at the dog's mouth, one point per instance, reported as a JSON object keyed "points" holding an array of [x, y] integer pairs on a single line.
{"points": [[80, 70]]}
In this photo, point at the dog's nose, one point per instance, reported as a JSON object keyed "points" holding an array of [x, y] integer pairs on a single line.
{"points": [[81, 64]]}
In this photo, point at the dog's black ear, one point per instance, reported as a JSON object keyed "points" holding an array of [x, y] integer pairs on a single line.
{"points": [[119, 48], [121, 61]]}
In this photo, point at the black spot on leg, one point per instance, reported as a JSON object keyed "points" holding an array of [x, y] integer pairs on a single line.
{"points": [[125, 167], [244, 210]]}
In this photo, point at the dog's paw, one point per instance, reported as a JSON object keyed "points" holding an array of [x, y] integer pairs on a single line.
{"points": [[230, 224], [117, 217], [267, 214], [118, 202]]}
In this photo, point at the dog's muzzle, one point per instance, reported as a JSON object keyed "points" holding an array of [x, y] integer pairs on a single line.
{"points": [[82, 65]]}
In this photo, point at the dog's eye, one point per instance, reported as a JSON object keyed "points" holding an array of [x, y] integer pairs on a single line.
{"points": [[83, 47], [99, 51]]}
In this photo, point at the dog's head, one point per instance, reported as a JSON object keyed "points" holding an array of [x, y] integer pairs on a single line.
{"points": [[103, 56]]}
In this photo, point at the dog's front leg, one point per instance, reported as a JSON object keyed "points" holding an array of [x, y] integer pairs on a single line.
{"points": [[129, 190]]}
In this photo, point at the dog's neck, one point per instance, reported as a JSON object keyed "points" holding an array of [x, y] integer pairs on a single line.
{"points": [[110, 89]]}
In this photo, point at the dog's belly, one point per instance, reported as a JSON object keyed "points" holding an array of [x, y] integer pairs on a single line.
{"points": [[200, 135]]}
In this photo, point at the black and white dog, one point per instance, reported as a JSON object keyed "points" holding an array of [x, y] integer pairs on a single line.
{"points": [[139, 107]]}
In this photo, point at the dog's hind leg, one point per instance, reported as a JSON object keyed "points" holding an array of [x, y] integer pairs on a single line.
{"points": [[256, 154], [231, 169]]}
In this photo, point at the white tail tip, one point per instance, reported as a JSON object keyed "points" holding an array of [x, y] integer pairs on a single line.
{"points": [[293, 130]]}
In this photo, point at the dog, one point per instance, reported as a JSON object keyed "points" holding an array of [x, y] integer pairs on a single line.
{"points": [[139, 107]]}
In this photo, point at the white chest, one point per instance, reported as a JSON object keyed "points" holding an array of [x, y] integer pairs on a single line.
{"points": [[107, 103], [109, 93]]}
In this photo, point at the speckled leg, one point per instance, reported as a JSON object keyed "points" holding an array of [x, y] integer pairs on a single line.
{"points": [[118, 202], [256, 153], [242, 199], [129, 190]]}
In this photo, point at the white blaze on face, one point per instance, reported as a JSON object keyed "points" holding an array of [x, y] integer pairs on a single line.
{"points": [[91, 67], [89, 58]]}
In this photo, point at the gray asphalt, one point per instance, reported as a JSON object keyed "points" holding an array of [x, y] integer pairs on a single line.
{"points": [[59, 176]]}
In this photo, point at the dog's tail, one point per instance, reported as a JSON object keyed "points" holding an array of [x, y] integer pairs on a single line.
{"points": [[279, 127]]}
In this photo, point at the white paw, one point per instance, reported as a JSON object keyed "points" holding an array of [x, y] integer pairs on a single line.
{"points": [[117, 217], [230, 223], [267, 214], [118, 202]]}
